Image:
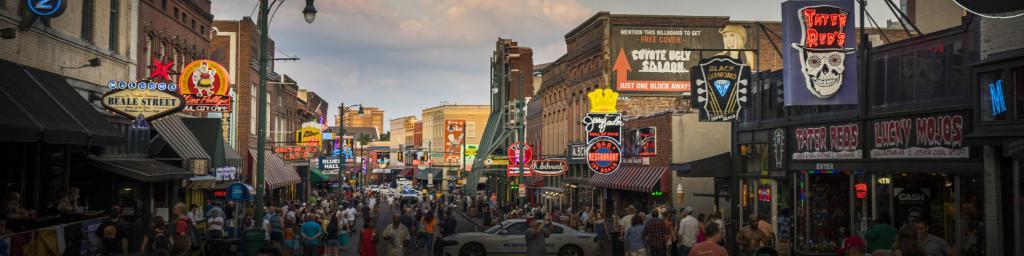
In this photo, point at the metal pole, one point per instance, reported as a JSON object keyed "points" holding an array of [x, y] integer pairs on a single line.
{"points": [[341, 121], [261, 118], [519, 128]]}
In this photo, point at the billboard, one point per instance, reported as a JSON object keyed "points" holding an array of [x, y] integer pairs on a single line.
{"points": [[657, 59], [640, 142], [721, 83], [820, 67], [454, 138], [205, 85]]}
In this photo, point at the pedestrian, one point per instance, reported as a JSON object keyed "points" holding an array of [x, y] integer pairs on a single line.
{"points": [[311, 234], [881, 235], [396, 234], [275, 224], [450, 224], [710, 247], [344, 230], [112, 234], [626, 222], [603, 228], [487, 216], [181, 242], [334, 243], [656, 235], [536, 233], [851, 246], [292, 243], [765, 228], [931, 245], [368, 240], [215, 225], [634, 237], [157, 242], [689, 228]]}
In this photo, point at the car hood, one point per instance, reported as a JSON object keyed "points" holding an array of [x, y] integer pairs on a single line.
{"points": [[467, 236]]}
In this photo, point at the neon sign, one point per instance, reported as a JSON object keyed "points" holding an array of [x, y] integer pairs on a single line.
{"points": [[861, 190], [161, 70], [46, 8], [995, 89]]}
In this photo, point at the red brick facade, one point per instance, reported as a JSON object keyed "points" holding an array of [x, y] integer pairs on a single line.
{"points": [[174, 30]]}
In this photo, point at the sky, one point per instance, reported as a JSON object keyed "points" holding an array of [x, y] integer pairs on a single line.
{"points": [[407, 55]]}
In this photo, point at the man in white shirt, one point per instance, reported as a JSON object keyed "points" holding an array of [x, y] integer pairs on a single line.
{"points": [[624, 223], [688, 229]]}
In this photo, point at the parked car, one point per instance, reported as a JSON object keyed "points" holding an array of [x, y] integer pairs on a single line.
{"points": [[509, 237]]}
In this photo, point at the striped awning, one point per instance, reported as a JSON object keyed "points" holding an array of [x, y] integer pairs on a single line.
{"points": [[277, 174], [180, 138], [632, 178]]}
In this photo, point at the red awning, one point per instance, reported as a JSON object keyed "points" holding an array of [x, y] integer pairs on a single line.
{"points": [[632, 178]]}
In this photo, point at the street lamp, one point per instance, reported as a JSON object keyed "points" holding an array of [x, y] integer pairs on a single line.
{"points": [[309, 12], [255, 236]]}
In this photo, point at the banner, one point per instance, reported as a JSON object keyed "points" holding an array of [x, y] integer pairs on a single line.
{"points": [[205, 85], [656, 59], [721, 84], [640, 142], [820, 67], [929, 136], [454, 134], [827, 142]]}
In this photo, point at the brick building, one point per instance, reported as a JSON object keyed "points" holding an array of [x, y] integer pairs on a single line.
{"points": [[235, 45], [370, 117], [172, 30]]}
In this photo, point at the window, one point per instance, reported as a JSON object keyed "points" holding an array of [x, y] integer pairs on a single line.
{"points": [[202, 29], [163, 4], [176, 15], [148, 57], [193, 24], [471, 129], [87, 19], [115, 20], [518, 228], [252, 112]]}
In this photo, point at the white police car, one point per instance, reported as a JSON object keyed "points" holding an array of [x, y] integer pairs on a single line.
{"points": [[509, 237]]}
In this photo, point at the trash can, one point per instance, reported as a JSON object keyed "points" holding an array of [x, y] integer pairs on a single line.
{"points": [[253, 241]]}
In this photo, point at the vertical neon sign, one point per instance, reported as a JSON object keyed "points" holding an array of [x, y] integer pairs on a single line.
{"points": [[995, 89]]}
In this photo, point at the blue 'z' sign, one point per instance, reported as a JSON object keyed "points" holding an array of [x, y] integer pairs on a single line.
{"points": [[46, 8]]}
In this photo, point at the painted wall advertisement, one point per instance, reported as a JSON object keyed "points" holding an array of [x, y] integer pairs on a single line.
{"points": [[657, 59], [721, 83], [827, 142], [818, 52], [205, 85], [142, 100], [929, 136], [454, 136]]}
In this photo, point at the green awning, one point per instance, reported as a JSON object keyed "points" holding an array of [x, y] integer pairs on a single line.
{"points": [[318, 176]]}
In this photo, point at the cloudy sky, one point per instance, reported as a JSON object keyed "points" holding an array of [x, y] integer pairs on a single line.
{"points": [[407, 55]]}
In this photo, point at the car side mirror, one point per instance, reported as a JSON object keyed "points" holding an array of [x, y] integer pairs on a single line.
{"points": [[503, 232]]}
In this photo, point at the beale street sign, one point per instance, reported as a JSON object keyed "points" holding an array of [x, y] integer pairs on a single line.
{"points": [[142, 100], [929, 136]]}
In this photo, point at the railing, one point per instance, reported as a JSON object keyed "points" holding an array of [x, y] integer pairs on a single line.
{"points": [[75, 236]]}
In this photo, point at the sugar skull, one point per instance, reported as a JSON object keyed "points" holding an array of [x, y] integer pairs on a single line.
{"points": [[823, 49]]}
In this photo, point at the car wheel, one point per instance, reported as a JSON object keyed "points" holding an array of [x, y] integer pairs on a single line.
{"points": [[472, 250], [570, 250]]}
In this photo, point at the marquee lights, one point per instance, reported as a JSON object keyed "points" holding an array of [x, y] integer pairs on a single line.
{"points": [[142, 85]]}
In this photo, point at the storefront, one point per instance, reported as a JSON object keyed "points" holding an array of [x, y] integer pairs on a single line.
{"points": [[280, 179]]}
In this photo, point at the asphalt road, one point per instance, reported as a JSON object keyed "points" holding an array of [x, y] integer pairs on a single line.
{"points": [[385, 212]]}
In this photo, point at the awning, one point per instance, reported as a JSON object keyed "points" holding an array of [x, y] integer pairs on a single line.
{"points": [[318, 176], [231, 156], [407, 172], [276, 173], [575, 180], [715, 166], [141, 169], [180, 138], [38, 105], [424, 174], [632, 178]]}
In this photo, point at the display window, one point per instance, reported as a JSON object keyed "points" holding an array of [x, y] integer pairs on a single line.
{"points": [[823, 203]]}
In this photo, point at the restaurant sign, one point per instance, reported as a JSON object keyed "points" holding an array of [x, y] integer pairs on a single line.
{"points": [[296, 153], [603, 125], [142, 100], [204, 85], [549, 167], [840, 141], [604, 155], [929, 136]]}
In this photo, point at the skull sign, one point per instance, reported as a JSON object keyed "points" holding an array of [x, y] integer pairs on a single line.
{"points": [[823, 49]]}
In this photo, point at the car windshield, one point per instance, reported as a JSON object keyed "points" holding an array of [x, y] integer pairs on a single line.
{"points": [[493, 229]]}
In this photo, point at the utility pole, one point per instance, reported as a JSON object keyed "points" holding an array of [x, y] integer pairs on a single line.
{"points": [[341, 125], [520, 129], [261, 108]]}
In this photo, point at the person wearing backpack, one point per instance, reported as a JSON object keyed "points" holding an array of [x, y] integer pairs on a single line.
{"points": [[181, 241], [157, 242]]}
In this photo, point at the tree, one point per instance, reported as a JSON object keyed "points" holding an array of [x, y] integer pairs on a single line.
{"points": [[386, 136], [364, 139]]}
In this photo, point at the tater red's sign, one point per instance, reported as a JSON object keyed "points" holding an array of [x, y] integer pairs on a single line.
{"points": [[827, 142], [819, 41]]}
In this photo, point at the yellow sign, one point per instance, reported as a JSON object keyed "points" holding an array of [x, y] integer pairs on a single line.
{"points": [[311, 134], [603, 101], [143, 103]]}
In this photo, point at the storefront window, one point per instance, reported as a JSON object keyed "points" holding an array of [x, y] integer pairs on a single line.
{"points": [[926, 197], [971, 209], [823, 203]]}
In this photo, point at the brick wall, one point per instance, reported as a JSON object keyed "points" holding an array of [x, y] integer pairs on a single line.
{"points": [[1000, 35], [663, 124], [186, 31]]}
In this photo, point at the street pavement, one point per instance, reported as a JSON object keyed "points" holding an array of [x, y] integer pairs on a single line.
{"points": [[383, 219]]}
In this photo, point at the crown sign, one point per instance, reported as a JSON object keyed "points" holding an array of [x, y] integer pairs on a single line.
{"points": [[603, 100]]}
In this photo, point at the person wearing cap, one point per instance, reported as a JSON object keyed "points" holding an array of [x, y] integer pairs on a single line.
{"points": [[852, 246], [687, 232]]}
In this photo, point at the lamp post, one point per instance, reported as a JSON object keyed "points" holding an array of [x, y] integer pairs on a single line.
{"points": [[341, 123], [309, 13]]}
